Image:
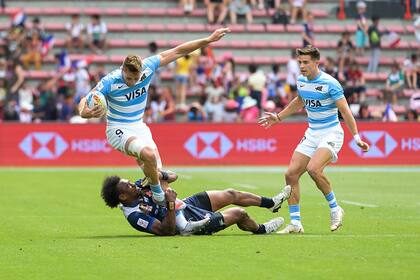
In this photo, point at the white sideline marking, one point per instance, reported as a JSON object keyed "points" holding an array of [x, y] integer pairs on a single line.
{"points": [[186, 177], [358, 203], [333, 235], [218, 169], [246, 186]]}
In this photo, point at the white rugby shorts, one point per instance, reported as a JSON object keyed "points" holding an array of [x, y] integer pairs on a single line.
{"points": [[331, 138], [118, 134]]}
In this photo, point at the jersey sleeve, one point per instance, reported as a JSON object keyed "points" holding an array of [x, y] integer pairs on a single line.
{"points": [[104, 85], [141, 221], [336, 90], [153, 62]]}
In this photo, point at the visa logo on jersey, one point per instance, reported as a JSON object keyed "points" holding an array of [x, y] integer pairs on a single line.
{"points": [[135, 94], [312, 103]]}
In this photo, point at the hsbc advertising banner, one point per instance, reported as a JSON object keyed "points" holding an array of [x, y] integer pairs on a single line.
{"points": [[200, 144]]}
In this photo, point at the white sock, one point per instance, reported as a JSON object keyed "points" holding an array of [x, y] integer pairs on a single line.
{"points": [[180, 220]]}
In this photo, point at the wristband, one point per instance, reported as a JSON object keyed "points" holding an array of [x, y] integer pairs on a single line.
{"points": [[165, 175], [357, 138], [170, 205]]}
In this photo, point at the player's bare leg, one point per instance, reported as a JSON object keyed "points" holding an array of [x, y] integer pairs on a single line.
{"points": [[147, 155], [241, 218], [315, 168], [297, 167], [220, 199]]}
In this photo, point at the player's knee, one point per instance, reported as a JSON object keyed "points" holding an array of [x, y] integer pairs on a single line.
{"points": [[147, 154], [241, 214], [291, 176], [232, 194], [314, 171]]}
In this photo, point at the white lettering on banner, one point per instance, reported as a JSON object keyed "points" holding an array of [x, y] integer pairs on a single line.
{"points": [[256, 145], [90, 146], [410, 144]]}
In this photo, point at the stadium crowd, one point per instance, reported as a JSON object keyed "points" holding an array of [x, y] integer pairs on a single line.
{"points": [[206, 88]]}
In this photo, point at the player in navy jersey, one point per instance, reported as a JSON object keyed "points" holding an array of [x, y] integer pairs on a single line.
{"points": [[196, 214], [126, 92], [322, 96]]}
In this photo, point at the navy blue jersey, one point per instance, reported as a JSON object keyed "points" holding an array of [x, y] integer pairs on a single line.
{"points": [[144, 212]]}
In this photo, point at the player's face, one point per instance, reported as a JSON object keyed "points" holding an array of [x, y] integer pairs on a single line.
{"points": [[128, 189], [308, 66], [130, 78]]}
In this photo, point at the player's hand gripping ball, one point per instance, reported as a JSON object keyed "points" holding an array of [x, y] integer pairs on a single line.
{"points": [[96, 98]]}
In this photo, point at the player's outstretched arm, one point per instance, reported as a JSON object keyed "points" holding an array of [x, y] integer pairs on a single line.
{"points": [[345, 111], [87, 113], [168, 56], [272, 118]]}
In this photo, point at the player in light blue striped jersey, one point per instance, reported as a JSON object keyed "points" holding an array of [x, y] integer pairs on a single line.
{"points": [[126, 92], [322, 96]]}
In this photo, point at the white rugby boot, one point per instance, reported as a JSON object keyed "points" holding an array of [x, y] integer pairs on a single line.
{"points": [[337, 218], [273, 224], [280, 198], [293, 227], [193, 226]]}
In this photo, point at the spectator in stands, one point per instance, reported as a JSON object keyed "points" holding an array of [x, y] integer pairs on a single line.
{"points": [[411, 116], [214, 89], [355, 88], [345, 50], [205, 65], [375, 45], [188, 5], [37, 28], [196, 113], [15, 40], [214, 108], [221, 6], [82, 80], [11, 111], [256, 82], [66, 109], [411, 70], [230, 113], [32, 53], [249, 110], [308, 30], [394, 84], [15, 76], [167, 98], [183, 68], [364, 113], [274, 85], [362, 28], [330, 67], [96, 34], [297, 6], [153, 50], [38, 112], [228, 73], [74, 30], [98, 74], [293, 72], [241, 8]]}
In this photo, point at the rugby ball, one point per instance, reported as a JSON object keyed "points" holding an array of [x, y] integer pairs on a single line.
{"points": [[96, 98]]}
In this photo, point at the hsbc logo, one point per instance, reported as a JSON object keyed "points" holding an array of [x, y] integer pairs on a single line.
{"points": [[381, 144], [43, 145], [208, 145]]}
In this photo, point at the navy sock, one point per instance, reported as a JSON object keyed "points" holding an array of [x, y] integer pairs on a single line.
{"points": [[260, 230], [266, 202]]}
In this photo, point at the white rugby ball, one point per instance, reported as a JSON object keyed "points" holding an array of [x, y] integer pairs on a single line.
{"points": [[96, 98]]}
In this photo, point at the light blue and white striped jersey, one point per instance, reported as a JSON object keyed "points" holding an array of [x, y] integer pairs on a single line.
{"points": [[319, 96], [127, 104]]}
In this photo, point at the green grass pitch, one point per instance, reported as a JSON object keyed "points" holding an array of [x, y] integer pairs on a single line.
{"points": [[54, 225]]}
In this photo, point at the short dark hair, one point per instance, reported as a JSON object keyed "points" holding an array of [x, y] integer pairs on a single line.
{"points": [[309, 50], [110, 191], [132, 63]]}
